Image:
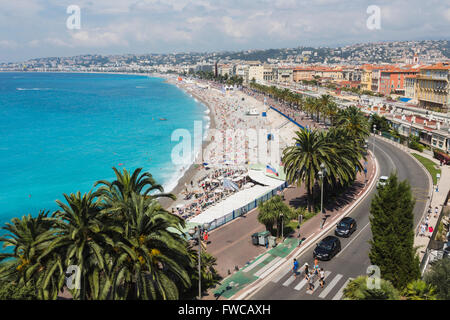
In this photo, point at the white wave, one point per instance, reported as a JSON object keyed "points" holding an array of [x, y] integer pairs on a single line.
{"points": [[33, 89]]}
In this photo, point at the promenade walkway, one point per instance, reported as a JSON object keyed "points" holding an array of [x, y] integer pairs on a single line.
{"points": [[231, 244]]}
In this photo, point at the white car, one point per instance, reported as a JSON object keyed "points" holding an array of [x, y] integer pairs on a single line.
{"points": [[382, 181]]}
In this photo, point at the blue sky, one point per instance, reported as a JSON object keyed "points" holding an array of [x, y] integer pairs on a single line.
{"points": [[37, 28]]}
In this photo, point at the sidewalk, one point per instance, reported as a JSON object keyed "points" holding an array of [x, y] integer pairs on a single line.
{"points": [[437, 198], [238, 251]]}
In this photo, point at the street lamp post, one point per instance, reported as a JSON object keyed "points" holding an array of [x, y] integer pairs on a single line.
{"points": [[282, 224], [322, 174], [192, 232], [374, 133]]}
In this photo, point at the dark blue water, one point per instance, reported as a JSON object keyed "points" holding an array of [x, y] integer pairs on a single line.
{"points": [[59, 133]]}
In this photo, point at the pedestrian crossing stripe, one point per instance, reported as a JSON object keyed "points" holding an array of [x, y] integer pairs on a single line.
{"points": [[282, 274], [316, 284], [289, 281], [267, 266], [270, 270], [330, 286], [301, 284], [256, 263], [340, 293]]}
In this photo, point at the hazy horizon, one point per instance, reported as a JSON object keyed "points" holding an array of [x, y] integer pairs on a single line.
{"points": [[38, 28]]}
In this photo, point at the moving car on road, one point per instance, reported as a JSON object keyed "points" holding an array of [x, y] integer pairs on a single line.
{"points": [[382, 181], [327, 248], [345, 227]]}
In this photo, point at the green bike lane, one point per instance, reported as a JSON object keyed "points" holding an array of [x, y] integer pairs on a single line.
{"points": [[260, 267]]}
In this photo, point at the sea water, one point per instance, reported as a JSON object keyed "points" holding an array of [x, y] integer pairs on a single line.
{"points": [[61, 132]]}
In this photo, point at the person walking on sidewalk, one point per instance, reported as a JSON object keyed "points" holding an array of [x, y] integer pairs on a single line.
{"points": [[422, 230], [322, 277], [436, 211], [295, 268]]}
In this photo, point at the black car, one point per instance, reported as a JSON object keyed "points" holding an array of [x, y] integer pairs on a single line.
{"points": [[345, 227], [327, 248]]}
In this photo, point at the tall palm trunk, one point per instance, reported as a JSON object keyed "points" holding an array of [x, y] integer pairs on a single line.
{"points": [[309, 195]]}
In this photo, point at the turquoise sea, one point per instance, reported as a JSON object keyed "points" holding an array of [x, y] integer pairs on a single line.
{"points": [[59, 133]]}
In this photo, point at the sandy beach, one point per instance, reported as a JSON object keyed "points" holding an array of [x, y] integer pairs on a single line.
{"points": [[228, 110]]}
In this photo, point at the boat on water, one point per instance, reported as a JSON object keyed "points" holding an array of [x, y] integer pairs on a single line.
{"points": [[162, 119]]}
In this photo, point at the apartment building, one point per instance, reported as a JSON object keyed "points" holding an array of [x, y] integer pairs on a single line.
{"points": [[433, 87], [410, 88], [285, 75], [303, 73], [392, 80], [256, 73]]}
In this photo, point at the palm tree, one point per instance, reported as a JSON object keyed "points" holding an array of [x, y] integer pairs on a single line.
{"points": [[302, 161], [357, 290], [29, 236], [270, 213], [353, 120], [127, 184], [152, 259], [84, 235], [420, 290]]}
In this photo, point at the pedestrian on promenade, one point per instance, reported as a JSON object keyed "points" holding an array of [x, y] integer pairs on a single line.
{"points": [[322, 277], [306, 270], [316, 266], [422, 230], [295, 268], [436, 211], [311, 281], [430, 229], [426, 222]]}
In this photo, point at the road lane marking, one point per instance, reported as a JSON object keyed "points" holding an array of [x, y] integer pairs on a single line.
{"points": [[317, 283], [257, 262], [390, 159], [340, 293], [267, 266], [353, 239], [330, 286], [270, 270]]}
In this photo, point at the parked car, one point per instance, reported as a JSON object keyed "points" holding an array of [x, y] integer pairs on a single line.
{"points": [[327, 248], [345, 227], [382, 181]]}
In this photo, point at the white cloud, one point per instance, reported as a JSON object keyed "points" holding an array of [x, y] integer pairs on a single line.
{"points": [[8, 44], [198, 25]]}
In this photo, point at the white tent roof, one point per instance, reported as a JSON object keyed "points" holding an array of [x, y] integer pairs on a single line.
{"points": [[259, 176], [238, 200]]}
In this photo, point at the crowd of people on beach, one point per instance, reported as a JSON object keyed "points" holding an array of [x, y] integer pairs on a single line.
{"points": [[297, 115], [231, 110], [211, 189]]}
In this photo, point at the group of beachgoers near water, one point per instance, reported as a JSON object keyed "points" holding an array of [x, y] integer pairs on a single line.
{"points": [[223, 166]]}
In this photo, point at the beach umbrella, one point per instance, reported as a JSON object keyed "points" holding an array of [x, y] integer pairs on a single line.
{"points": [[218, 190], [237, 179], [216, 181], [179, 206]]}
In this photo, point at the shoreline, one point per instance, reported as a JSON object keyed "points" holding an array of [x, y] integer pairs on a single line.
{"points": [[190, 173]]}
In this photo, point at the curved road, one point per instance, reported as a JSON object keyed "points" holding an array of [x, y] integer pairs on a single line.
{"points": [[353, 259]]}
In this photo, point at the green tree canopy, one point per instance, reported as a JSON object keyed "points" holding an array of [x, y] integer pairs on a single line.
{"points": [[392, 223], [357, 289]]}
